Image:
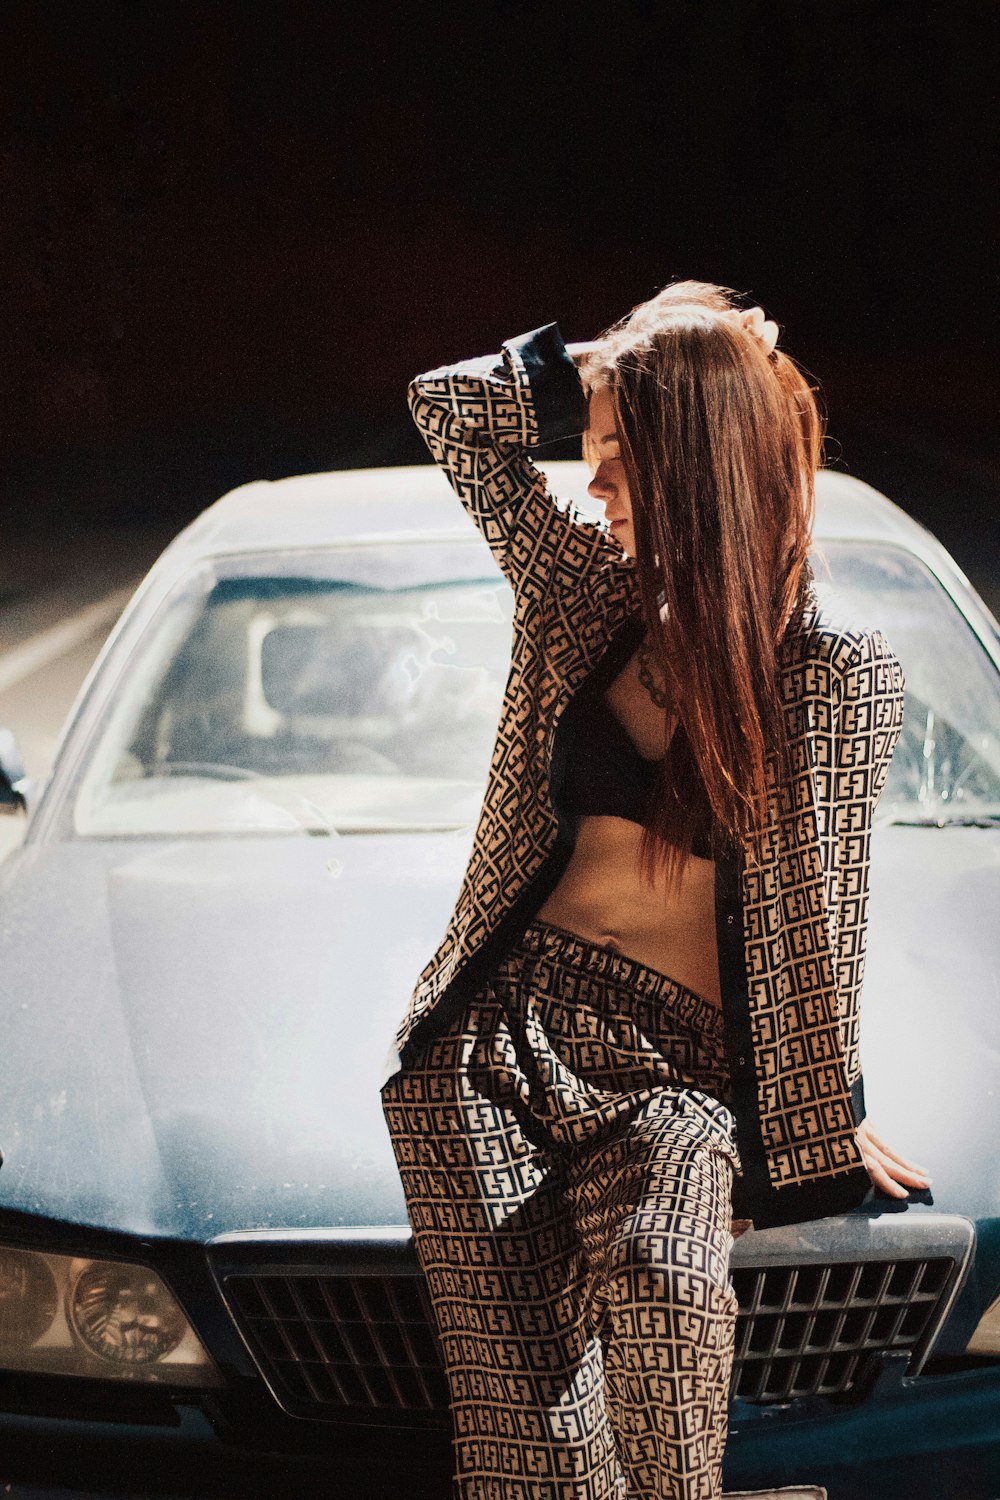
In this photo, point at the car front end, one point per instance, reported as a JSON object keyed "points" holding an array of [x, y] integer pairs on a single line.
{"points": [[207, 1280]]}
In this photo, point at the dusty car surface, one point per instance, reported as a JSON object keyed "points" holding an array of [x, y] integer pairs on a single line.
{"points": [[249, 845]]}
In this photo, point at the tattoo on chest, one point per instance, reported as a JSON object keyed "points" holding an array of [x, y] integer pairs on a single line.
{"points": [[653, 687]]}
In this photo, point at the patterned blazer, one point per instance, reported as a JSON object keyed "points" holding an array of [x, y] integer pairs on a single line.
{"points": [[791, 931]]}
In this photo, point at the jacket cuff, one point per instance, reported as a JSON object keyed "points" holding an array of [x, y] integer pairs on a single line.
{"points": [[556, 391], [858, 1099]]}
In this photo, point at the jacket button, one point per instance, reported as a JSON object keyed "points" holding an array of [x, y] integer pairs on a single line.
{"points": [[743, 1062], [729, 919]]}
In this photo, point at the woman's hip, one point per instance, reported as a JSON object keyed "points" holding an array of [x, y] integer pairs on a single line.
{"points": [[567, 1039]]}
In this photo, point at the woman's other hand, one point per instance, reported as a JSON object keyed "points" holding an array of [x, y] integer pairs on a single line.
{"points": [[752, 320], [890, 1172]]}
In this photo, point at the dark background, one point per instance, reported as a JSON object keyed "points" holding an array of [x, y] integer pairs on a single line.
{"points": [[230, 233]]}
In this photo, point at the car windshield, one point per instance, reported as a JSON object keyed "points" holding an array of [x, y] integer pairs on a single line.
{"points": [[355, 689], [946, 765], [358, 689]]}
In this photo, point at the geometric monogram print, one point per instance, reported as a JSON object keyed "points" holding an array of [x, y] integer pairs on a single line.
{"points": [[567, 1161], [792, 929], [808, 903]]}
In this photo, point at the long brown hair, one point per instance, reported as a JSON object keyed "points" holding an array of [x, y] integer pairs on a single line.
{"points": [[720, 442]]}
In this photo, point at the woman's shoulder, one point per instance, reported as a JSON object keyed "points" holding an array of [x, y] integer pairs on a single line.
{"points": [[831, 635]]}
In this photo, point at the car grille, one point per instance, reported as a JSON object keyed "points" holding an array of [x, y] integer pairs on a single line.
{"points": [[353, 1338], [810, 1331], [326, 1343]]}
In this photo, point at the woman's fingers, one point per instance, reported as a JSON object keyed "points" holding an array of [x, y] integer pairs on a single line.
{"points": [[882, 1180], [890, 1173], [765, 330], [902, 1160], [869, 1135], [753, 321], [914, 1176]]}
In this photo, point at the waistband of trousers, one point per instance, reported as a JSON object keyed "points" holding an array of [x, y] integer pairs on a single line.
{"points": [[570, 950]]}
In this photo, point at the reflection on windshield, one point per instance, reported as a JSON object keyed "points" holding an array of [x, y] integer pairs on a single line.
{"points": [[946, 766], [316, 702], [360, 689]]}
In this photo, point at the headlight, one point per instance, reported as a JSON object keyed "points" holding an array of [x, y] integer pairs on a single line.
{"points": [[64, 1315], [986, 1339]]}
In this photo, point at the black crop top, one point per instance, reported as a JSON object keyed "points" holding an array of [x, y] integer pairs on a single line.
{"points": [[605, 773]]}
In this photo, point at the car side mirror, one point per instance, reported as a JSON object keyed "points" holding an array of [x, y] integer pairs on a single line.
{"points": [[15, 788]]}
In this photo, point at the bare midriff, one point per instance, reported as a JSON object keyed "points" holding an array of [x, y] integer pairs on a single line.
{"points": [[602, 896]]}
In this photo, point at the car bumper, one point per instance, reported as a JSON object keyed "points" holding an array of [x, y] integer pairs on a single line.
{"points": [[930, 1438], [935, 1437]]}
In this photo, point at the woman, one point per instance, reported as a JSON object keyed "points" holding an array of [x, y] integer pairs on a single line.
{"points": [[643, 1014]]}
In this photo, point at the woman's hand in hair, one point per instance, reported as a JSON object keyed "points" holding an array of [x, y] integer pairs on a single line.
{"points": [[752, 320], [890, 1172]]}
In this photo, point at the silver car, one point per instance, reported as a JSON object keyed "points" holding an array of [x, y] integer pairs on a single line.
{"points": [[250, 843]]}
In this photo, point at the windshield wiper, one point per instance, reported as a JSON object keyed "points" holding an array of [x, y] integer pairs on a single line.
{"points": [[966, 820]]}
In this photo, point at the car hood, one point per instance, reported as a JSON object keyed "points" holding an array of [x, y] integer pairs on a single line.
{"points": [[930, 1018], [194, 1032]]}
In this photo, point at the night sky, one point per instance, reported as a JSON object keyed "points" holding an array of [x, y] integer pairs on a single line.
{"points": [[230, 233]]}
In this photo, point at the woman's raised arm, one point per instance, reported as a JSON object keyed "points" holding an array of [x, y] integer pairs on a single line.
{"points": [[480, 419]]}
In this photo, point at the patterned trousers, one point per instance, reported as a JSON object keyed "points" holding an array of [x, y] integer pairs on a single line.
{"points": [[567, 1151]]}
